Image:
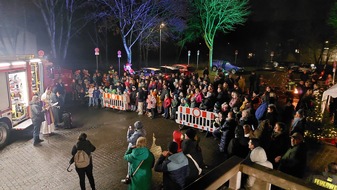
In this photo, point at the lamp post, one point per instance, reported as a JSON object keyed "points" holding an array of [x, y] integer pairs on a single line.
{"points": [[236, 55], [198, 52], [162, 25], [188, 57]]}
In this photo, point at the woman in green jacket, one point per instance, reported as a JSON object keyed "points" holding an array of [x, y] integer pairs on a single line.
{"points": [[142, 178]]}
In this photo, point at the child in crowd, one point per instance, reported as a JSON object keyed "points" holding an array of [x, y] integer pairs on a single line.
{"points": [[91, 95]]}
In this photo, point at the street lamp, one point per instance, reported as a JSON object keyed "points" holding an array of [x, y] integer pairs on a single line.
{"points": [[162, 25]]}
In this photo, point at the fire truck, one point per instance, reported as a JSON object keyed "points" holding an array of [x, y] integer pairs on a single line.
{"points": [[19, 81]]}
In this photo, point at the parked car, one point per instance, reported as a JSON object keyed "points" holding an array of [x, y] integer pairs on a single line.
{"points": [[147, 71], [269, 65], [185, 68], [167, 71], [225, 65], [300, 67], [309, 68]]}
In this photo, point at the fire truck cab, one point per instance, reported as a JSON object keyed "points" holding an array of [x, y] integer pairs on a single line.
{"points": [[19, 81]]}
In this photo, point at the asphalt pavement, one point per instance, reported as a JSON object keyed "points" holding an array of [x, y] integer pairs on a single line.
{"points": [[25, 167]]}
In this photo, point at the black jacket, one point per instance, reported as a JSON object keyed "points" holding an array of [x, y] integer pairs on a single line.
{"points": [[83, 145]]}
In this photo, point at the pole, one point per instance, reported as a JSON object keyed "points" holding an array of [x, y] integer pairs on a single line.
{"points": [[160, 45], [188, 57], [236, 56], [119, 66], [198, 52], [97, 62]]}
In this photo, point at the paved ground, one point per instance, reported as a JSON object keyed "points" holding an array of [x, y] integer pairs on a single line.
{"points": [[26, 167]]}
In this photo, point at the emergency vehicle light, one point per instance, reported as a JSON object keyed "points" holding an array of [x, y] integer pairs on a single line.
{"points": [[35, 60], [18, 63], [4, 64]]}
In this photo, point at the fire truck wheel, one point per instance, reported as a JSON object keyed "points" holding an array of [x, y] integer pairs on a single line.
{"points": [[4, 130]]}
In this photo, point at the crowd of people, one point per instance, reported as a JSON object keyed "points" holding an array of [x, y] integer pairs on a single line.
{"points": [[251, 122]]}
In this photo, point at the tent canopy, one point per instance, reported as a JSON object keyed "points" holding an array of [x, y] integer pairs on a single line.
{"points": [[332, 91]]}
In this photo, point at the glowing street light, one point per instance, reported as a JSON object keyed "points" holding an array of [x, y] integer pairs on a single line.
{"points": [[162, 25]]}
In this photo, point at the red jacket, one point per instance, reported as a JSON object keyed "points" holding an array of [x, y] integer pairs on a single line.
{"points": [[167, 102]]}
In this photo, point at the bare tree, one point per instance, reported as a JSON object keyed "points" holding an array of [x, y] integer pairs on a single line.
{"points": [[135, 20], [63, 20]]}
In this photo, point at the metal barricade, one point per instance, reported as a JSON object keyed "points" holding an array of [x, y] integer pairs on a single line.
{"points": [[196, 118], [114, 101]]}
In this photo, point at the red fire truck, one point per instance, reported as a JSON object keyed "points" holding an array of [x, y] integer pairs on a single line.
{"points": [[19, 80]]}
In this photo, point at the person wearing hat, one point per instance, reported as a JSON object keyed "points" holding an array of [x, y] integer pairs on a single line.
{"points": [[134, 133], [191, 146], [294, 161], [174, 166]]}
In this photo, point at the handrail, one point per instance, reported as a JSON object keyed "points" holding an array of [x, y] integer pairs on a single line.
{"points": [[231, 169]]}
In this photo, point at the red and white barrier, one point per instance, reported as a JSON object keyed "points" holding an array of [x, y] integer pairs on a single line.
{"points": [[196, 118], [114, 101]]}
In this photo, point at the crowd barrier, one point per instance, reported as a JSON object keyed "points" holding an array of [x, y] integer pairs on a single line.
{"points": [[114, 101], [196, 118]]}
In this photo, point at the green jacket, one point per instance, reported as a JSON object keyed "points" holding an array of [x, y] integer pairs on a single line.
{"points": [[143, 178]]}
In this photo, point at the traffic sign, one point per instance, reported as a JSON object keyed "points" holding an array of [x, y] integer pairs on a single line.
{"points": [[96, 51], [40, 53]]}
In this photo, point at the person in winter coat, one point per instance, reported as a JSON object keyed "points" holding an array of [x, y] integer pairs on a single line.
{"points": [[294, 161], [174, 166], [37, 118], [141, 99], [177, 137], [279, 143], [191, 146], [258, 156], [85, 145], [96, 96], [228, 132], [299, 122], [133, 134], [167, 105], [174, 106], [140, 157], [133, 98], [238, 145]]}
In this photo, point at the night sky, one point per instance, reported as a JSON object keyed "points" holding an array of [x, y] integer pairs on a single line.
{"points": [[270, 20]]}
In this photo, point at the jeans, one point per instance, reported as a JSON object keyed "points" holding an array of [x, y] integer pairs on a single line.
{"points": [[91, 101], [96, 101], [86, 171], [166, 113], [140, 108], [36, 132]]}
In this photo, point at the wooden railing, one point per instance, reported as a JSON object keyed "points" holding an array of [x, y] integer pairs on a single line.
{"points": [[231, 170]]}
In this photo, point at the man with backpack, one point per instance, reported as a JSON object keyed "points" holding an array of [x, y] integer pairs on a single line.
{"points": [[83, 161]]}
